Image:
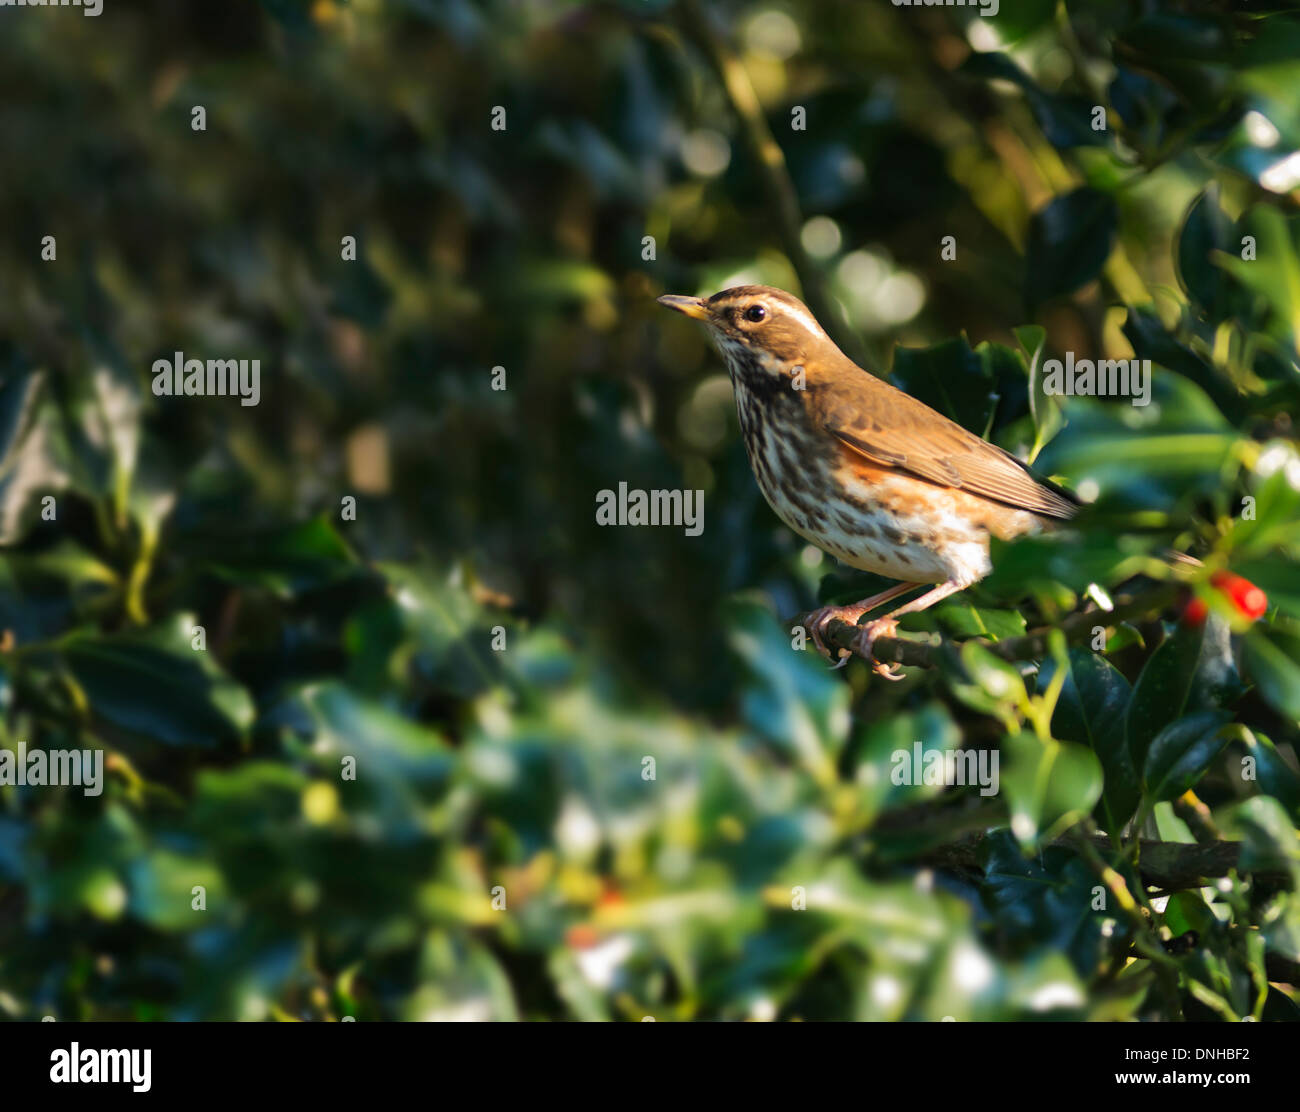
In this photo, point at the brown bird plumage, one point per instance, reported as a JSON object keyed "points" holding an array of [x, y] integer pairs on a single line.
{"points": [[859, 468]]}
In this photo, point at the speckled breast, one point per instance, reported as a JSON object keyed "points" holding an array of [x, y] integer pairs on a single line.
{"points": [[875, 520]]}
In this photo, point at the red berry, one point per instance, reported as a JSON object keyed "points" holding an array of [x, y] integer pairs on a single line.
{"points": [[1250, 601], [1195, 612]]}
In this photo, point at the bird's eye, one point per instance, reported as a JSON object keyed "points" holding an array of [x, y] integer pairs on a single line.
{"points": [[755, 313]]}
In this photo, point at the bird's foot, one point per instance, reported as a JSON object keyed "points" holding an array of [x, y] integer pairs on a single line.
{"points": [[818, 620], [881, 627]]}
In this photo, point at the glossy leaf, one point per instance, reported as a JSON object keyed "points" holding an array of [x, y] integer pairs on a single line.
{"points": [[1180, 754], [1092, 711], [1163, 690]]}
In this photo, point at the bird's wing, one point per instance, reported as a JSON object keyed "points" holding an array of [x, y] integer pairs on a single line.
{"points": [[917, 439]]}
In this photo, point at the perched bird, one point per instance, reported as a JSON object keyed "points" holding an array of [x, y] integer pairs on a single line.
{"points": [[861, 469]]}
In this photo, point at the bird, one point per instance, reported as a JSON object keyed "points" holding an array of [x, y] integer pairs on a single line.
{"points": [[861, 469]]}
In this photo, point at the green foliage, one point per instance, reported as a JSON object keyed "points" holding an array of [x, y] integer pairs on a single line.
{"points": [[594, 777], [1069, 242]]}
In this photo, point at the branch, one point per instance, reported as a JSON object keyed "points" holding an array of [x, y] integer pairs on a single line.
{"points": [[923, 650], [1169, 866], [770, 164], [945, 836]]}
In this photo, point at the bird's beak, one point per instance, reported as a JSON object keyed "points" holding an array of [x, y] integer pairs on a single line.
{"points": [[693, 307]]}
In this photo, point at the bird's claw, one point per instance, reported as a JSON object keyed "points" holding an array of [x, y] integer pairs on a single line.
{"points": [[817, 626], [863, 645]]}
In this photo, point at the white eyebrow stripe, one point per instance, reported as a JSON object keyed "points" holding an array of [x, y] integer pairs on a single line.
{"points": [[803, 316], [791, 307]]}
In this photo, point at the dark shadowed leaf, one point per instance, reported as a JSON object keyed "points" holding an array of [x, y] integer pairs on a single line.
{"points": [[1066, 119], [1151, 340], [1181, 752], [952, 378], [287, 561], [1046, 897], [155, 685], [1162, 690], [1272, 660], [1091, 711], [1206, 228], [1069, 242]]}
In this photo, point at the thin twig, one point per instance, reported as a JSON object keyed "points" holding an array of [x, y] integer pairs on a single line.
{"points": [[769, 161]]}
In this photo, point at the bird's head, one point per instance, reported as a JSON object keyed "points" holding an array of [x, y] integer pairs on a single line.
{"points": [[758, 329]]}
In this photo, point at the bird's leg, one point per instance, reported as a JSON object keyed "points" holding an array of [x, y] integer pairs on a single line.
{"points": [[887, 624], [819, 619]]}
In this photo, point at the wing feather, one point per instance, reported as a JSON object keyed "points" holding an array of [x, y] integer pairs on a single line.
{"points": [[926, 444]]}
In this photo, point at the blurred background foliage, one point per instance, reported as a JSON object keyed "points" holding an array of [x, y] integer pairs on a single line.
{"points": [[522, 770]]}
